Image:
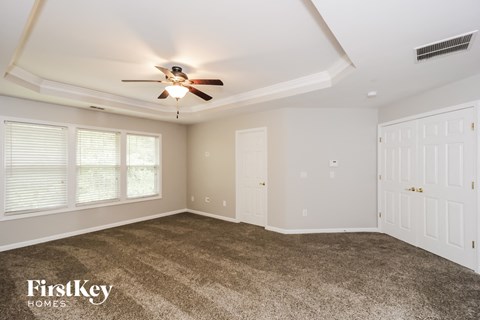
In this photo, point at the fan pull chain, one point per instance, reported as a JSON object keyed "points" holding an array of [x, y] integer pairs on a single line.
{"points": [[178, 111]]}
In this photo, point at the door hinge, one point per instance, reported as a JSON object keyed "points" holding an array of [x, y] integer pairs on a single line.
{"points": [[473, 126], [380, 215], [379, 177], [473, 244], [380, 139], [473, 185]]}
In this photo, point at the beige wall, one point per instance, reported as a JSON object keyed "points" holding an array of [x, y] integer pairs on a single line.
{"points": [[316, 136], [298, 140], [465, 90], [173, 160], [214, 176]]}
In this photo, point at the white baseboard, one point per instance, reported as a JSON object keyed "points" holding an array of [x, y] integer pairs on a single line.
{"points": [[164, 214], [211, 215], [333, 230], [87, 230], [287, 231]]}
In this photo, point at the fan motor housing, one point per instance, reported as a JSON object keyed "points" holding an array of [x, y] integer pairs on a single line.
{"points": [[177, 72]]}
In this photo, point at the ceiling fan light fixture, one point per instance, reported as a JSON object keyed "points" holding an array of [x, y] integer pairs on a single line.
{"points": [[179, 84], [177, 91]]}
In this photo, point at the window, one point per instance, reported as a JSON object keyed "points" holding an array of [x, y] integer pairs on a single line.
{"points": [[142, 166], [52, 168], [36, 164], [98, 166]]}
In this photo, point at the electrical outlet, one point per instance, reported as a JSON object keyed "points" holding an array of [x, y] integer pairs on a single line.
{"points": [[304, 212], [207, 199], [333, 163], [224, 203], [192, 198]]}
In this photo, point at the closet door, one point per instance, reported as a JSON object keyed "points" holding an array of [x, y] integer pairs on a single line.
{"points": [[398, 179], [446, 162]]}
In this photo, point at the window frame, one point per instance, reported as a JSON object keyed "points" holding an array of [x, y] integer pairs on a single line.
{"points": [[77, 166], [4, 184], [72, 206], [158, 166]]}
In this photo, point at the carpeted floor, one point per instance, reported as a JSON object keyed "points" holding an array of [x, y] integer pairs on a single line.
{"points": [[191, 267]]}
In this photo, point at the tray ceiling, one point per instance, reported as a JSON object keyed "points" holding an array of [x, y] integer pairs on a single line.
{"points": [[315, 53]]}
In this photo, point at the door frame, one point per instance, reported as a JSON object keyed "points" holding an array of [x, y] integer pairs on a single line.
{"points": [[476, 108], [237, 180]]}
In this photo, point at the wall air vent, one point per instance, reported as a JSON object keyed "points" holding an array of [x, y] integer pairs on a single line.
{"points": [[447, 46]]}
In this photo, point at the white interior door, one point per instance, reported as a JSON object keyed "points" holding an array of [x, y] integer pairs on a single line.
{"points": [[251, 183], [436, 157], [398, 158], [446, 171]]}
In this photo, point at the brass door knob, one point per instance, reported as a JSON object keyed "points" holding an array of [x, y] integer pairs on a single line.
{"points": [[420, 190], [262, 183], [411, 189]]}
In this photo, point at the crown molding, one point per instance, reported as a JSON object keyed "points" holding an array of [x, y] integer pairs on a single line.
{"points": [[313, 82], [38, 84], [305, 84]]}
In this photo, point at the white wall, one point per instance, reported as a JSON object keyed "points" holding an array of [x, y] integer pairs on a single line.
{"points": [[454, 93], [299, 139], [173, 161]]}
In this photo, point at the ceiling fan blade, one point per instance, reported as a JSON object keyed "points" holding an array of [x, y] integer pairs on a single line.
{"points": [[167, 72], [163, 95], [160, 81], [212, 82], [199, 93]]}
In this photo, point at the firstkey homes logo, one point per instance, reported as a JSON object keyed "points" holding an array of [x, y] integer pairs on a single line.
{"points": [[38, 290]]}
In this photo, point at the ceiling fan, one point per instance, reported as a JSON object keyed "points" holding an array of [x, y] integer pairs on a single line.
{"points": [[179, 84]]}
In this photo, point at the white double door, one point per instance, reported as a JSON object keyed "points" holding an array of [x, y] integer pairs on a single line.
{"points": [[427, 195]]}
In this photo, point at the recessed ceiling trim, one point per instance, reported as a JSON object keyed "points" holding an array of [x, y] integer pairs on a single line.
{"points": [[16, 18], [317, 81], [305, 84], [35, 83]]}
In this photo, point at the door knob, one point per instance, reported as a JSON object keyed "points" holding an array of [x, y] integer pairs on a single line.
{"points": [[420, 190], [411, 189], [262, 183]]}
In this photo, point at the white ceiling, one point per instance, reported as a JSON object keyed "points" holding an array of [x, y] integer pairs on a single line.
{"points": [[306, 53]]}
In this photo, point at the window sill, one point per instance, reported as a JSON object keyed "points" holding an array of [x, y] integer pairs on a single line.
{"points": [[4, 217]]}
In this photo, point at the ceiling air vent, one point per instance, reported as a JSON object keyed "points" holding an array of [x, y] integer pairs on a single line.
{"points": [[458, 43]]}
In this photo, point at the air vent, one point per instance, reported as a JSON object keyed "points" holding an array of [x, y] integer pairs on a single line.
{"points": [[97, 108], [458, 43]]}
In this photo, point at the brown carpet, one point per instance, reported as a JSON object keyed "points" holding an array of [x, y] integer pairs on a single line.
{"points": [[191, 267]]}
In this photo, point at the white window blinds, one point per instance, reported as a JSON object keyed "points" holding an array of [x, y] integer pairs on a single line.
{"points": [[35, 167], [142, 166], [98, 166]]}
